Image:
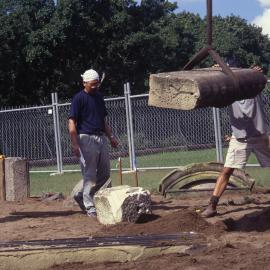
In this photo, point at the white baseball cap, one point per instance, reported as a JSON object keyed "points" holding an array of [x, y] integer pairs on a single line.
{"points": [[90, 75]]}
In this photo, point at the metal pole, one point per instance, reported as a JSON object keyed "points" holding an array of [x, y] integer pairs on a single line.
{"points": [[209, 22], [55, 132], [216, 116], [128, 126], [219, 136], [58, 134], [134, 166]]}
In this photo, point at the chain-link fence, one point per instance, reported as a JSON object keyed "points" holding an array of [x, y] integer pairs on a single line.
{"points": [[162, 138], [29, 133]]}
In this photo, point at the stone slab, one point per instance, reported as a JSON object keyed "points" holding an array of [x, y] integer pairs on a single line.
{"points": [[121, 203], [16, 179], [44, 254]]}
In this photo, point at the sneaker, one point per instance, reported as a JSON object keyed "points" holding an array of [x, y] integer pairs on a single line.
{"points": [[91, 212], [79, 200], [209, 212]]}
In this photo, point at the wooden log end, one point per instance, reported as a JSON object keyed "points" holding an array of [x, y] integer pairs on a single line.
{"points": [[171, 90], [134, 206]]}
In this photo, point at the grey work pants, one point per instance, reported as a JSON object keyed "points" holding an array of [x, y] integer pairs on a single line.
{"points": [[96, 166]]}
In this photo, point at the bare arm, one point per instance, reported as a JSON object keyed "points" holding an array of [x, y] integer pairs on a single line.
{"points": [[108, 131], [73, 136]]}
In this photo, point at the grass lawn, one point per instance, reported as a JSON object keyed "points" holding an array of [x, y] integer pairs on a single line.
{"points": [[149, 178], [163, 159], [65, 182]]}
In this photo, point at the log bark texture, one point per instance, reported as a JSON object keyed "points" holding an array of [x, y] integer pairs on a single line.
{"points": [[209, 87]]}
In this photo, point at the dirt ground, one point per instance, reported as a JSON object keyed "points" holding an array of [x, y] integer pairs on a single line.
{"points": [[238, 238]]}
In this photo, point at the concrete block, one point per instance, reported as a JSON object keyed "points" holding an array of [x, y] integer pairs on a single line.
{"points": [[16, 179], [122, 203], [209, 87]]}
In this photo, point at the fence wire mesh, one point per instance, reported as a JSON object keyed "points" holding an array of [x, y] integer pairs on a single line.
{"points": [[162, 137], [29, 133]]}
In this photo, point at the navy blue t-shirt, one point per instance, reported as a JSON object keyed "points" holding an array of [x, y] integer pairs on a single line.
{"points": [[88, 111]]}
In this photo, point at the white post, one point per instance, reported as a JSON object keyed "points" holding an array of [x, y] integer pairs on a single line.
{"points": [[57, 136], [128, 126], [134, 166], [217, 127]]}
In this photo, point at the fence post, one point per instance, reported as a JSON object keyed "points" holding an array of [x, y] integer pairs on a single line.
{"points": [[57, 133], [134, 165], [217, 127], [129, 127]]}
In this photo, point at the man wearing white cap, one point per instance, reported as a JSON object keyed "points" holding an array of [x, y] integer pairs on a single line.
{"points": [[88, 129]]}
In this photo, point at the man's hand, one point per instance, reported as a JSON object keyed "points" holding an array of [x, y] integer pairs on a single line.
{"points": [[114, 142], [227, 138], [73, 136], [257, 68], [75, 150]]}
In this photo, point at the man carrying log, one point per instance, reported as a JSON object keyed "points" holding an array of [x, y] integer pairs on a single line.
{"points": [[249, 135]]}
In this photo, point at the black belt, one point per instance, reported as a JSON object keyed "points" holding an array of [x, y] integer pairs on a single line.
{"points": [[97, 133]]}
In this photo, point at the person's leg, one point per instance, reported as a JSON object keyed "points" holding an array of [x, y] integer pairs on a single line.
{"points": [[78, 196], [103, 166], [90, 151], [261, 148], [220, 187], [237, 156]]}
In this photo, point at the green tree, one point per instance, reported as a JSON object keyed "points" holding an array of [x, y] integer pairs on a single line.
{"points": [[18, 20], [44, 48], [235, 39]]}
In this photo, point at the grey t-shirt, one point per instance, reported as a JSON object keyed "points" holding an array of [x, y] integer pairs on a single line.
{"points": [[247, 118]]}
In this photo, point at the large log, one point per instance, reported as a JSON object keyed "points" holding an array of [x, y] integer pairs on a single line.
{"points": [[209, 87]]}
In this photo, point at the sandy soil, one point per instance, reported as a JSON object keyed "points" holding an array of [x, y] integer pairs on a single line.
{"points": [[239, 237]]}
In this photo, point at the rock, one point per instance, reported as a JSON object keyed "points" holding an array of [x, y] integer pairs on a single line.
{"points": [[51, 196], [121, 203], [78, 188], [69, 202]]}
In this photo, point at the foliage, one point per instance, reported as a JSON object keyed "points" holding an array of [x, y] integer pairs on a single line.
{"points": [[45, 47]]}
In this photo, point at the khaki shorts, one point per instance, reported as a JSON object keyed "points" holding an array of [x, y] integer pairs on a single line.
{"points": [[240, 149]]}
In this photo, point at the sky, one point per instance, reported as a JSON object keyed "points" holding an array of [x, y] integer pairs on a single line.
{"points": [[254, 11]]}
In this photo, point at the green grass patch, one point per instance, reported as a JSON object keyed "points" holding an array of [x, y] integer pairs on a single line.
{"points": [[44, 182], [163, 159], [261, 175]]}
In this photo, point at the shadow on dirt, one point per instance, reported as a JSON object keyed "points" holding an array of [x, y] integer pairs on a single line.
{"points": [[147, 218], [166, 205], [257, 221], [14, 216]]}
